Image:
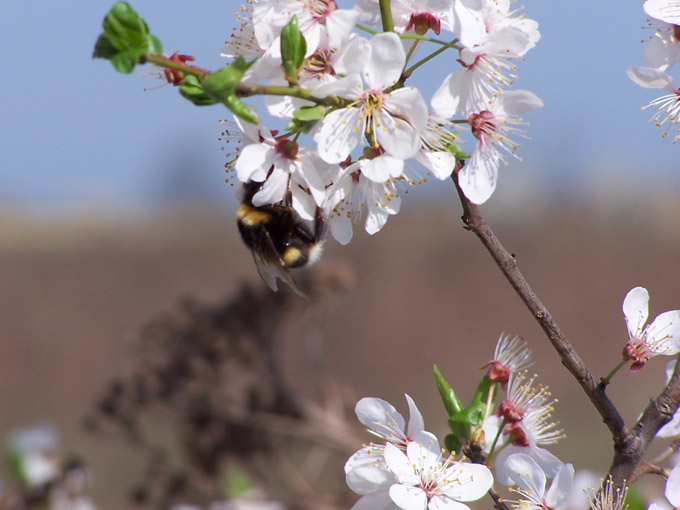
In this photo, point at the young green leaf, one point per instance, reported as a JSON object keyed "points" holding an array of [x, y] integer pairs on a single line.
{"points": [[451, 402], [293, 49], [221, 84], [310, 113], [457, 151], [126, 38], [192, 90], [240, 109], [463, 423]]}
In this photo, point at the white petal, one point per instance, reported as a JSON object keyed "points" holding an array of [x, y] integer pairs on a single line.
{"points": [[340, 132], [469, 482], [375, 220], [518, 102], [375, 501], [550, 464], [254, 162], [661, 52], [478, 177], [526, 473], [352, 57], [383, 167], [445, 100], [348, 87], [635, 310], [387, 61], [303, 202], [380, 416], [439, 162], [408, 498], [663, 334], [561, 487], [442, 502], [409, 104], [366, 471], [423, 451], [469, 23], [650, 78], [339, 25], [274, 188], [400, 465], [664, 10], [341, 228], [396, 136], [415, 420], [673, 486]]}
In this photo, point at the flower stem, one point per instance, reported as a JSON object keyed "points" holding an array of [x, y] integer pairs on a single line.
{"points": [[161, 61], [408, 72], [386, 16], [605, 381]]}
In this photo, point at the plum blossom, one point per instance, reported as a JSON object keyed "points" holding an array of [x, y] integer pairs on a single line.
{"points": [[668, 105], [511, 355], [487, 65], [662, 336], [390, 120], [426, 480], [527, 413], [492, 128], [366, 471], [281, 165], [531, 484], [353, 192], [405, 13]]}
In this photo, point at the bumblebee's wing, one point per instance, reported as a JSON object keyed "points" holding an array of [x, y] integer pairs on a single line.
{"points": [[270, 266], [270, 272]]}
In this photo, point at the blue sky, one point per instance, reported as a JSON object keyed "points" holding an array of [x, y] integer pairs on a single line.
{"points": [[76, 133]]}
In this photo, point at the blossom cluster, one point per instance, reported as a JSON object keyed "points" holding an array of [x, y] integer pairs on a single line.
{"points": [[379, 135], [662, 52]]}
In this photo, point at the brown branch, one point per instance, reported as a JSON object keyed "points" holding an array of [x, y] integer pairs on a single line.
{"points": [[629, 446], [659, 412], [570, 359]]}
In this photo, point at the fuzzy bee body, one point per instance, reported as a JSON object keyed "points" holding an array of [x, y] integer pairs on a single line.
{"points": [[278, 238]]}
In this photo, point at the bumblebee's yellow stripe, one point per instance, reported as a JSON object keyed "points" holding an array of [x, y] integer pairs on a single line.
{"points": [[249, 215]]}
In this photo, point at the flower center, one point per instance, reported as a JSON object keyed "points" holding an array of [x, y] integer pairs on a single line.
{"points": [[320, 9], [286, 148], [482, 123]]}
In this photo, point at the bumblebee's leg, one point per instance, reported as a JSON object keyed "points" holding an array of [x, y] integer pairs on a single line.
{"points": [[319, 224]]}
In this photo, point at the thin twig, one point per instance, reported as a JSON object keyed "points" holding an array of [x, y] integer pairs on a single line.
{"points": [[570, 359]]}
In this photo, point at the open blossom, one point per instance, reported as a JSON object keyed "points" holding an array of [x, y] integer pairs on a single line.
{"points": [[531, 484], [662, 336], [492, 128], [366, 471], [426, 480], [609, 498], [511, 355], [390, 119], [668, 105], [527, 413], [487, 65]]}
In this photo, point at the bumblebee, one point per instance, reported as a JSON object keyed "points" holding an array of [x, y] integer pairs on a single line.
{"points": [[278, 238]]}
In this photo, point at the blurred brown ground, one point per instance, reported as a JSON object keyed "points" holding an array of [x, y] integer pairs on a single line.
{"points": [[74, 294]]}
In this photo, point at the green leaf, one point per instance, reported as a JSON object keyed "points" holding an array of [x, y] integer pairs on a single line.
{"points": [[634, 499], [126, 39], [467, 420], [457, 151], [452, 443], [293, 49], [451, 402], [191, 89], [310, 113], [240, 109], [221, 84]]}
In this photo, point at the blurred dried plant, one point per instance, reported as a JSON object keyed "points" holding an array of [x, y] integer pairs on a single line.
{"points": [[206, 397]]}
